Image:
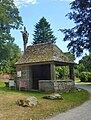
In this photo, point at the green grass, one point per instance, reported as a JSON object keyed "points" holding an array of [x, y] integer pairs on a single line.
{"points": [[9, 110], [79, 82]]}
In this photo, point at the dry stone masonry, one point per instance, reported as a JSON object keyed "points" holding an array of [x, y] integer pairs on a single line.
{"points": [[58, 86], [36, 69]]}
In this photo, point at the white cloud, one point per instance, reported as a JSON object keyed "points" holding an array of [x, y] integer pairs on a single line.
{"points": [[20, 3]]}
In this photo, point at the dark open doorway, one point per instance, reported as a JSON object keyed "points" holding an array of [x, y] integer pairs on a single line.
{"points": [[40, 72]]}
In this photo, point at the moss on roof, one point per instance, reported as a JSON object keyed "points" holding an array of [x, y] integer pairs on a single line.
{"points": [[45, 52]]}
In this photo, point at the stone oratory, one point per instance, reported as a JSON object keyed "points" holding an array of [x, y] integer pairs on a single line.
{"points": [[36, 69]]}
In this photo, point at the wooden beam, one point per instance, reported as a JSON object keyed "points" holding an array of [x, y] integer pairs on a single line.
{"points": [[52, 71], [71, 72]]}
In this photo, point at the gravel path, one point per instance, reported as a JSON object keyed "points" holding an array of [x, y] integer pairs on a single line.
{"points": [[82, 112]]}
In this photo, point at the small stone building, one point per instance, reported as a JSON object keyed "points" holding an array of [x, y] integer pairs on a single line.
{"points": [[36, 68]]}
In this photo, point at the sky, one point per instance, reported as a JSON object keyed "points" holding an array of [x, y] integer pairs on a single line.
{"points": [[54, 11]]}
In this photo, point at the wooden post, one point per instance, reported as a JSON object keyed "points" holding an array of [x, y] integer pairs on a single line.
{"points": [[52, 70], [71, 71]]}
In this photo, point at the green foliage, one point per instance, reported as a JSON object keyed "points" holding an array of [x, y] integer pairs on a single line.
{"points": [[70, 56], [8, 59], [80, 68], [43, 33], [80, 35], [86, 62], [85, 77], [77, 74], [83, 66], [9, 19], [62, 72], [59, 73]]}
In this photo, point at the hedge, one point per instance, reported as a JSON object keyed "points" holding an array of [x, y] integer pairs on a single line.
{"points": [[85, 77]]}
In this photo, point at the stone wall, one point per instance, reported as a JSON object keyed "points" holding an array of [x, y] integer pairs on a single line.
{"points": [[51, 86], [24, 77], [46, 86]]}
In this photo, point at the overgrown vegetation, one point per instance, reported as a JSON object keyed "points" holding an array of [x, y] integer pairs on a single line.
{"points": [[9, 20], [85, 76], [9, 110], [62, 72], [83, 69], [9, 56]]}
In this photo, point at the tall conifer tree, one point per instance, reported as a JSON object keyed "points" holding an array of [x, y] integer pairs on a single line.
{"points": [[43, 33]]}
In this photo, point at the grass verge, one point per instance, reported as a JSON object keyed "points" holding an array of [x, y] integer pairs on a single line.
{"points": [[9, 110], [85, 83]]}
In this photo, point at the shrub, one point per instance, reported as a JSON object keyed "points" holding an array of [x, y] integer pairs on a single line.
{"points": [[59, 73], [62, 72], [89, 76], [77, 74], [85, 77]]}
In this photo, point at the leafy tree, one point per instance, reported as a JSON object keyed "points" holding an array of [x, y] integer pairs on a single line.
{"points": [[7, 64], [62, 72], [80, 68], [86, 63], [70, 56], [80, 35], [43, 33], [85, 77], [9, 19], [77, 74], [83, 66]]}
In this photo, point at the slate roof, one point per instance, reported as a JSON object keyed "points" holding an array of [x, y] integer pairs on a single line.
{"points": [[45, 52]]}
